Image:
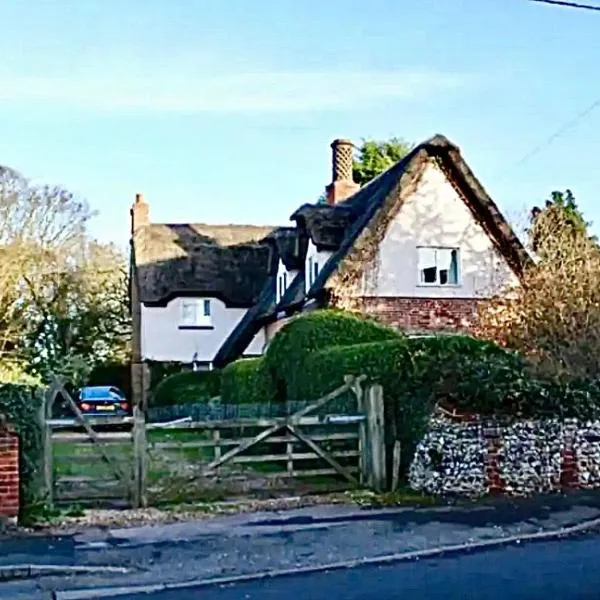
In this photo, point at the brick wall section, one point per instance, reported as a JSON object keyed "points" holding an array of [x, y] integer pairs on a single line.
{"points": [[423, 314], [494, 482], [9, 474], [569, 469]]}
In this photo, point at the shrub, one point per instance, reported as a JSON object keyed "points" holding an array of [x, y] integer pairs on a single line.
{"points": [[161, 370], [21, 406], [247, 381], [313, 332], [187, 387]]}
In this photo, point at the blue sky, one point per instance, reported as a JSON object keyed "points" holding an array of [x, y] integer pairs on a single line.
{"points": [[224, 111]]}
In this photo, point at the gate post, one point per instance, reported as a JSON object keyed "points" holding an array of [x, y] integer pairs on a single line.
{"points": [[139, 499], [374, 460], [45, 413]]}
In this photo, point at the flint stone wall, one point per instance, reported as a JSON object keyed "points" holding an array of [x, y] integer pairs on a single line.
{"points": [[475, 457]]}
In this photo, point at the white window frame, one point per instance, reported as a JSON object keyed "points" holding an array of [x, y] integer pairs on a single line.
{"points": [[199, 313], [281, 285], [312, 271], [437, 282]]}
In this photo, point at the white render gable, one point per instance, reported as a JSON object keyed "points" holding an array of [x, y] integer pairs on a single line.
{"points": [[436, 248], [181, 331]]}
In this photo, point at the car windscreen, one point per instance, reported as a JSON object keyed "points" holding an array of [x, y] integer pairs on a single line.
{"points": [[96, 394]]}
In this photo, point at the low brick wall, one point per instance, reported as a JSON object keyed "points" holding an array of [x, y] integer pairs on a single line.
{"points": [[474, 457], [9, 473]]}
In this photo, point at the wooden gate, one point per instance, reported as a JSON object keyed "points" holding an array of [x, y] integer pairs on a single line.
{"points": [[112, 461], [87, 460], [293, 425], [314, 443]]}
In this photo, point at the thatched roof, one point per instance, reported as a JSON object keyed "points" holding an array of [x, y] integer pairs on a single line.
{"points": [[225, 261], [326, 225], [289, 247]]}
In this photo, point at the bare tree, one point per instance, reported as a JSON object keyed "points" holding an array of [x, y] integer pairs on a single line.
{"points": [[554, 316]]}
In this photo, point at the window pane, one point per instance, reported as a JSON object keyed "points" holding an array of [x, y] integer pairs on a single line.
{"points": [[316, 270], [310, 271], [188, 312], [207, 308], [427, 265], [447, 262]]}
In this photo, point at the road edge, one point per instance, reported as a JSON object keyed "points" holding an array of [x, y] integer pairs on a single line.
{"points": [[24, 571], [116, 591]]}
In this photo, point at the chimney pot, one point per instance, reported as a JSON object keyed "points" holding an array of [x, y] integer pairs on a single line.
{"points": [[341, 160], [342, 185]]}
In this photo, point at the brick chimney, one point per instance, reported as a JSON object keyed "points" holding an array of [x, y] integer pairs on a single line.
{"points": [[140, 213], [342, 185]]}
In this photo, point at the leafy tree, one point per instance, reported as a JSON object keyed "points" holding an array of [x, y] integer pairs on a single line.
{"points": [[82, 319], [375, 157], [36, 223], [560, 210]]}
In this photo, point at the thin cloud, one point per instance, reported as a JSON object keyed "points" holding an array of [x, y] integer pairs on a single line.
{"points": [[255, 92]]}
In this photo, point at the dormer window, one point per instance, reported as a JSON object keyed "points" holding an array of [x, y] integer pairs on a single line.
{"points": [[281, 285], [195, 314], [312, 270]]}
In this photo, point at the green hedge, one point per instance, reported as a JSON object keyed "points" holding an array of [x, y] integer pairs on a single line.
{"points": [[313, 332], [187, 387], [162, 370], [471, 375], [21, 406], [247, 381]]}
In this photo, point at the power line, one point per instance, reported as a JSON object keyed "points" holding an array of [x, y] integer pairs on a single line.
{"points": [[559, 132], [568, 4]]}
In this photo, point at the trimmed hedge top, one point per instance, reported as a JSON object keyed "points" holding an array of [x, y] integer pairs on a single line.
{"points": [[313, 332], [187, 387], [247, 381]]}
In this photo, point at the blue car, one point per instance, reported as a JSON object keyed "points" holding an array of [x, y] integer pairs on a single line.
{"points": [[102, 400]]}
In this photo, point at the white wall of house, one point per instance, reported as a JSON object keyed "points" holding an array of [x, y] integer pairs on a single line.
{"points": [[163, 339], [314, 257], [430, 225], [284, 279]]}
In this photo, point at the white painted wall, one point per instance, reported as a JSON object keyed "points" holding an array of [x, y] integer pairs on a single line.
{"points": [[289, 277], [162, 340], [435, 215], [312, 254]]}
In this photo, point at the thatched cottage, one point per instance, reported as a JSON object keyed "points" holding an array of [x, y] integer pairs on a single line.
{"points": [[417, 247]]}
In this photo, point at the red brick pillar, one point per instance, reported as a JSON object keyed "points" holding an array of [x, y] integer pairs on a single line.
{"points": [[9, 473], [494, 483], [569, 472]]}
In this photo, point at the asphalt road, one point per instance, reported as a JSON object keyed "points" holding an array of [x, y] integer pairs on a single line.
{"points": [[561, 570]]}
